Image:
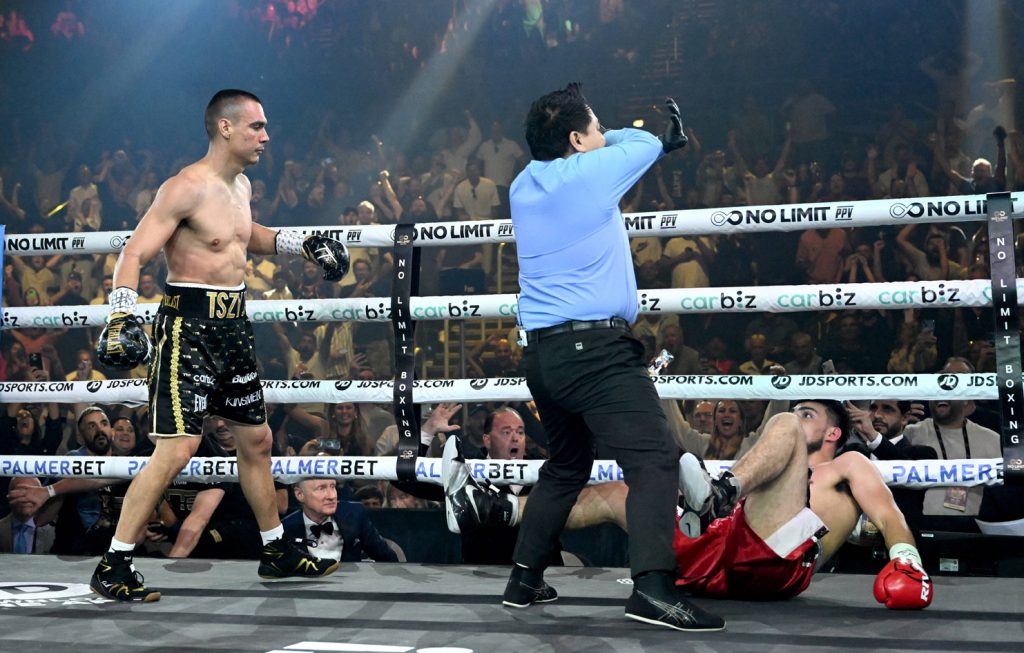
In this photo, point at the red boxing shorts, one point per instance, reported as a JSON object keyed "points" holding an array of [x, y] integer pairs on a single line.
{"points": [[732, 561]]}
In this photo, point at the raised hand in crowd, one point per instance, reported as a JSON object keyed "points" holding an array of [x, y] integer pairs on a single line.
{"points": [[915, 414], [439, 418]]}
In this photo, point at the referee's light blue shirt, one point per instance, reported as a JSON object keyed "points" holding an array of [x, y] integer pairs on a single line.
{"points": [[574, 257]]}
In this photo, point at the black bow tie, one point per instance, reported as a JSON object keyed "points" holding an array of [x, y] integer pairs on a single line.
{"points": [[327, 528]]}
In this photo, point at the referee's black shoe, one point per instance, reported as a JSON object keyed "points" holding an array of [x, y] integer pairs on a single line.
{"points": [[115, 578], [282, 559], [526, 587], [655, 600]]}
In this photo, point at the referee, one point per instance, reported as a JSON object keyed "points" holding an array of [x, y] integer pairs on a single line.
{"points": [[584, 368]]}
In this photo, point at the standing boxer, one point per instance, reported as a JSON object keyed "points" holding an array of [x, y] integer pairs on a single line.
{"points": [[204, 363]]}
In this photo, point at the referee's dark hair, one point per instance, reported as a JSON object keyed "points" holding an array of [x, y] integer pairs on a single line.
{"points": [[552, 118]]}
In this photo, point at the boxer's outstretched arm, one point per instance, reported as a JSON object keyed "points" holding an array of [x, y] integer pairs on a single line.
{"points": [[874, 498]]}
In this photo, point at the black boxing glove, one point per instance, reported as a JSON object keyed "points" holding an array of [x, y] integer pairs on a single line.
{"points": [[1000, 133], [123, 343], [673, 138], [328, 253]]}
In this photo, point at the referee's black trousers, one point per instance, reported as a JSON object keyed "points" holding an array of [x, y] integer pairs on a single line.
{"points": [[592, 387]]}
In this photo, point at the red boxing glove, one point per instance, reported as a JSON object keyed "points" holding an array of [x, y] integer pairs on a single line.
{"points": [[903, 585]]}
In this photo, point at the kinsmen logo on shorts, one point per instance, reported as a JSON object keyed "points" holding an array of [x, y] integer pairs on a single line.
{"points": [[93, 386], [241, 402], [948, 382], [781, 382], [478, 384], [342, 386]]}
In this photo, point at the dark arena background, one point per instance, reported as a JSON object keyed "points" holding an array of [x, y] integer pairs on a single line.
{"points": [[842, 224]]}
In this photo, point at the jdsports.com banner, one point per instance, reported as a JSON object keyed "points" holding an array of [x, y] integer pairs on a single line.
{"points": [[841, 386]]}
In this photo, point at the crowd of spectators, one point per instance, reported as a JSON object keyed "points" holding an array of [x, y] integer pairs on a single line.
{"points": [[802, 150]]}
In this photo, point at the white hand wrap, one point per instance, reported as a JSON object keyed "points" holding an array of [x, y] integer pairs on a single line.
{"points": [[289, 242], [905, 551], [123, 300]]}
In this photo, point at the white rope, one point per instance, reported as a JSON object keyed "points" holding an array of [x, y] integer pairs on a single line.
{"points": [[745, 299], [730, 386], [916, 474], [784, 217]]}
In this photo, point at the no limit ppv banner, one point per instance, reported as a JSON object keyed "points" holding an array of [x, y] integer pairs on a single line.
{"points": [[786, 217]]}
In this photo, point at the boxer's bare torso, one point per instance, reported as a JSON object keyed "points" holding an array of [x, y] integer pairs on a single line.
{"points": [[200, 217]]}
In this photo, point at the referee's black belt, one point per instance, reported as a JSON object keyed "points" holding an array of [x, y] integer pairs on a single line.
{"points": [[571, 327]]}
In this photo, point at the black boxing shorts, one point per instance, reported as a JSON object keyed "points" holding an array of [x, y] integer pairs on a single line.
{"points": [[205, 363]]}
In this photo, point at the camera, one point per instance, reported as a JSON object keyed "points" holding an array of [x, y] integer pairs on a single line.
{"points": [[36, 360], [330, 446]]}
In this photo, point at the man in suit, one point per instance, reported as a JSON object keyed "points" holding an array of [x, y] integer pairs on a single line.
{"points": [[881, 429], [504, 439], [340, 530], [19, 532]]}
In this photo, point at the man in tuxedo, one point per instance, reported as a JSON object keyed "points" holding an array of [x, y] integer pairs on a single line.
{"points": [[19, 532], [341, 530], [881, 429]]}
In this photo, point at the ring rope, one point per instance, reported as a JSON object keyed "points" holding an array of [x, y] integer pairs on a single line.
{"points": [[689, 222], [693, 222], [132, 392], [915, 474], [744, 299]]}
